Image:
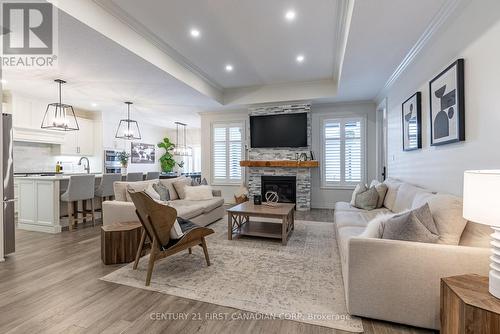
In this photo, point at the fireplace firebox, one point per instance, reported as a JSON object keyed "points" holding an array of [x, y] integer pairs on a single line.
{"points": [[285, 186]]}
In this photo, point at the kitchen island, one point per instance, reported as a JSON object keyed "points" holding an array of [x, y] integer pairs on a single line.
{"points": [[38, 202]]}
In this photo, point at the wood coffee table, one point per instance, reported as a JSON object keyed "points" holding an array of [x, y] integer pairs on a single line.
{"points": [[238, 221]]}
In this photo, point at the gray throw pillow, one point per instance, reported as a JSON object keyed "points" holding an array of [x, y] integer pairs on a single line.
{"points": [[162, 191], [204, 182], [416, 225], [367, 200]]}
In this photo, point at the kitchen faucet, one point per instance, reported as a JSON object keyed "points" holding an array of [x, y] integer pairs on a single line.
{"points": [[88, 164]]}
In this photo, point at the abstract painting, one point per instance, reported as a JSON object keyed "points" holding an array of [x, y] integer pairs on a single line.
{"points": [[447, 105], [412, 122]]}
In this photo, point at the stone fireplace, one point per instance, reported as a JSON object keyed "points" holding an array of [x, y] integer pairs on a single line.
{"points": [[302, 176]]}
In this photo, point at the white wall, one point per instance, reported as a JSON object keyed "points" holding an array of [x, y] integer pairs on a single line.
{"points": [[326, 198], [150, 135], [474, 35], [320, 198]]}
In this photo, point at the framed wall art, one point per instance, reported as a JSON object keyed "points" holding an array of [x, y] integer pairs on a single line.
{"points": [[412, 122], [142, 153], [447, 105]]}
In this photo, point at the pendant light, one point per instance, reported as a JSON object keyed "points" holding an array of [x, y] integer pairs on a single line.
{"points": [[128, 128], [181, 150], [59, 116]]}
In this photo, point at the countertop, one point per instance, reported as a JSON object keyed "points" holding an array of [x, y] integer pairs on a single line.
{"points": [[59, 177]]}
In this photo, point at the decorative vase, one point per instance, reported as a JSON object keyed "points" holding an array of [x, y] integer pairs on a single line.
{"points": [[124, 170]]}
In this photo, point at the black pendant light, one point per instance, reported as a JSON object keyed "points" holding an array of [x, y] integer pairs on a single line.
{"points": [[59, 116], [128, 128]]}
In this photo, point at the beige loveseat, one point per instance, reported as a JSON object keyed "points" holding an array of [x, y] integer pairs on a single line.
{"points": [[122, 209], [399, 281]]}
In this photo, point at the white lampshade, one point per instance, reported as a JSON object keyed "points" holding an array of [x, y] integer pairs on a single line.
{"points": [[482, 205], [482, 197]]}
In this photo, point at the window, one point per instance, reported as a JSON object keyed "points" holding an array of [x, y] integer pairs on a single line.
{"points": [[227, 152], [343, 156]]}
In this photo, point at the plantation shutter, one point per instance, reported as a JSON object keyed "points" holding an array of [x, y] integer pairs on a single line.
{"points": [[352, 156], [227, 146], [332, 158], [343, 151]]}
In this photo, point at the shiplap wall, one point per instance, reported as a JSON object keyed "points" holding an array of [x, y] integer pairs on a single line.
{"points": [[474, 35]]}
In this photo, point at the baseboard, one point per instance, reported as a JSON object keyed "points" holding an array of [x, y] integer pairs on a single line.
{"points": [[39, 228]]}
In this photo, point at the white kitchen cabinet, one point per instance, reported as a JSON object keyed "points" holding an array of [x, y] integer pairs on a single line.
{"points": [[85, 137], [21, 112], [79, 142]]}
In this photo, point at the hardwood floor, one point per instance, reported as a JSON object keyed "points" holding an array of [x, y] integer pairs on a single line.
{"points": [[51, 285]]}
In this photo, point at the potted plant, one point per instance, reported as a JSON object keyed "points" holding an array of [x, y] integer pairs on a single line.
{"points": [[123, 157], [167, 160]]}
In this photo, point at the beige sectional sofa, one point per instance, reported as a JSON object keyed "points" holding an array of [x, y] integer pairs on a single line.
{"points": [[199, 212], [399, 281]]}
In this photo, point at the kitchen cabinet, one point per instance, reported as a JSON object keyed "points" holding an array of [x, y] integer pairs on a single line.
{"points": [[79, 142]]}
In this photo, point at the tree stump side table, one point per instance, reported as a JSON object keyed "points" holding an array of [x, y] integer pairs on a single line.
{"points": [[119, 242]]}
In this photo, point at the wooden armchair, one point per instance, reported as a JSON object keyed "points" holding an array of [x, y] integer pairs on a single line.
{"points": [[157, 221]]}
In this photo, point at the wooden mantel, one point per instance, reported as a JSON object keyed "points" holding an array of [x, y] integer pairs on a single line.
{"points": [[280, 163]]}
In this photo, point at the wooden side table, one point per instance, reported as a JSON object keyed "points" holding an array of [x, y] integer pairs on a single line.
{"points": [[468, 307], [119, 242]]}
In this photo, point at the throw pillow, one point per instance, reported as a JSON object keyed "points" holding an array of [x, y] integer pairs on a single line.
{"points": [[382, 191], [162, 190], [180, 185], [152, 193], [416, 225], [204, 182], [194, 182], [359, 188], [176, 231], [367, 200], [447, 213], [198, 193]]}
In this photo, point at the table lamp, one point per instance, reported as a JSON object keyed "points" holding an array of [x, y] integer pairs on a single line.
{"points": [[482, 205]]}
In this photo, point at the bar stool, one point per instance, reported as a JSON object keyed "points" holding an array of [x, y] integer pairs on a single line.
{"points": [[132, 177], [152, 175], [105, 188], [80, 188]]}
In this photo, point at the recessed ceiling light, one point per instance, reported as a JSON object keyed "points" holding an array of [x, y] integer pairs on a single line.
{"points": [[93, 104], [300, 58], [229, 68], [195, 33], [4, 81], [290, 15]]}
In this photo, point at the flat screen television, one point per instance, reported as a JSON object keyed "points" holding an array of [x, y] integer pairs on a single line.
{"points": [[282, 130]]}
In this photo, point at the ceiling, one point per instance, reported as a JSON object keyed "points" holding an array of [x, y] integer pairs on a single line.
{"points": [[252, 36], [111, 51], [97, 70], [380, 36]]}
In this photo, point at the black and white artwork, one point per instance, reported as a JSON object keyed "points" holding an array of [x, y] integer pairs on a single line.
{"points": [[412, 122], [142, 153], [447, 105]]}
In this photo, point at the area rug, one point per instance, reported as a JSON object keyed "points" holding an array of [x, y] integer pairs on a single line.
{"points": [[301, 281]]}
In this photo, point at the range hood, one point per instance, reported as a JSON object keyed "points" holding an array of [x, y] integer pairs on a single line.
{"points": [[38, 136]]}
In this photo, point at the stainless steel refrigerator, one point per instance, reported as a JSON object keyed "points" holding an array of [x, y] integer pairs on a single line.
{"points": [[7, 186]]}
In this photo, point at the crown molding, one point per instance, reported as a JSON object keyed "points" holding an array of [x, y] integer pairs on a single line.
{"points": [[141, 29], [437, 23], [344, 10]]}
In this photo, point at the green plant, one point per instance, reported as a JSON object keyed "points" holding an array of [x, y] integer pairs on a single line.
{"points": [[167, 159], [123, 157]]}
